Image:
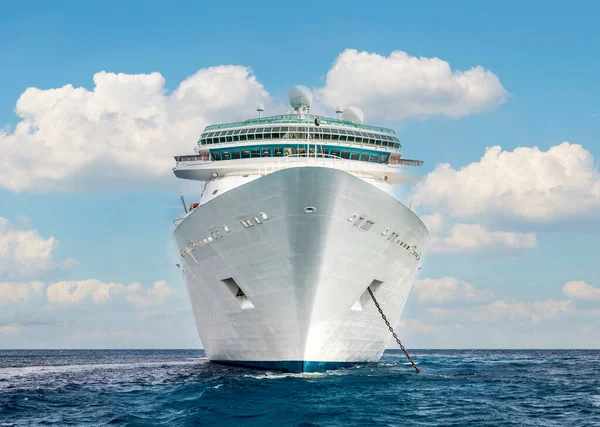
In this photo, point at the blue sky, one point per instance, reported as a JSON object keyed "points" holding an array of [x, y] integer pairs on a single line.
{"points": [[542, 54]]}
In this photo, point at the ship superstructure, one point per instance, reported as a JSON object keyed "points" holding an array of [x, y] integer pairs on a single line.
{"points": [[296, 220]]}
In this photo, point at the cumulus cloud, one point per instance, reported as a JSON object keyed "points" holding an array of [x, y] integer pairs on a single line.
{"points": [[98, 292], [400, 86], [153, 297], [446, 237], [535, 312], [24, 253], [447, 289], [474, 237], [581, 290], [527, 184], [20, 292], [126, 129]]}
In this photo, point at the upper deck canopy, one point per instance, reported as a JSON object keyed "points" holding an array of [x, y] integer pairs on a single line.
{"points": [[300, 127], [296, 118]]}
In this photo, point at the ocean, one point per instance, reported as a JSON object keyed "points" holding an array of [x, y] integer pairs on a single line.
{"points": [[182, 388]]}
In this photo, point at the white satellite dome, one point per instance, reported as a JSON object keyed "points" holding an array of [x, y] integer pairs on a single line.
{"points": [[354, 115], [300, 96]]}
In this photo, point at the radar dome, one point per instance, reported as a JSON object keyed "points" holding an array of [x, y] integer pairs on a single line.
{"points": [[300, 96], [354, 115]]}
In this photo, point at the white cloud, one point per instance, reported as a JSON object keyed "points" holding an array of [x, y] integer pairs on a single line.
{"points": [[24, 253], [526, 183], [153, 297], [435, 223], [474, 237], [465, 238], [581, 290], [449, 289], [10, 329], [124, 130], [401, 85], [20, 292], [535, 312], [98, 292]]}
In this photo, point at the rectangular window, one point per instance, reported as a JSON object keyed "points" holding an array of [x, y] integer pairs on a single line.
{"points": [[250, 137], [216, 156], [355, 156], [255, 152], [236, 138], [345, 154], [259, 136], [383, 159], [266, 152], [374, 158], [335, 153], [245, 154], [278, 152], [226, 155], [229, 138], [229, 133], [222, 139], [364, 157], [235, 155], [301, 151]]}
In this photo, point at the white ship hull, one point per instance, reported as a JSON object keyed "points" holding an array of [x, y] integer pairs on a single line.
{"points": [[303, 275]]}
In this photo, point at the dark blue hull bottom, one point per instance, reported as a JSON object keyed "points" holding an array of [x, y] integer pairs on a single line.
{"points": [[295, 366]]}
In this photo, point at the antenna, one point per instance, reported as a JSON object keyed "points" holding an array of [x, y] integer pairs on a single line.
{"points": [[338, 111], [260, 108]]}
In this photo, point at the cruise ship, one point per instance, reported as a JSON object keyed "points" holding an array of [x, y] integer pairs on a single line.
{"points": [[296, 222]]}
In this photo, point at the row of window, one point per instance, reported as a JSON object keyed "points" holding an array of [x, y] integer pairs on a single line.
{"points": [[299, 132], [299, 151]]}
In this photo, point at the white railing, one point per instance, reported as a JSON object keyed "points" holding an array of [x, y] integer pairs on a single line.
{"points": [[323, 160]]}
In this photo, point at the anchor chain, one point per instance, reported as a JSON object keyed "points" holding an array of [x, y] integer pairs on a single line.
{"points": [[414, 365]]}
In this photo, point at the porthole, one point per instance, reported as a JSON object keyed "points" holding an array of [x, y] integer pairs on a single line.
{"points": [[310, 209]]}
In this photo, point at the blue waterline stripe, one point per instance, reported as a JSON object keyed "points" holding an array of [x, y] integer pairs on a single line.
{"points": [[295, 366]]}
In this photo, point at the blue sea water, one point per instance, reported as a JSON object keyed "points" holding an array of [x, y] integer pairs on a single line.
{"points": [[182, 388]]}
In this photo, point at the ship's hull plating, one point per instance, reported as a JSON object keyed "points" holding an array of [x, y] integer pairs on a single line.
{"points": [[303, 272]]}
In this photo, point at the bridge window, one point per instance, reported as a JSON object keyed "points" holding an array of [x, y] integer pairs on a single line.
{"points": [[255, 152], [364, 157], [226, 155], [345, 154], [266, 152], [355, 156], [278, 152], [235, 155]]}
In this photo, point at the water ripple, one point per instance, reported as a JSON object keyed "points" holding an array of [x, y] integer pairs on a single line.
{"points": [[456, 388]]}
